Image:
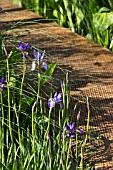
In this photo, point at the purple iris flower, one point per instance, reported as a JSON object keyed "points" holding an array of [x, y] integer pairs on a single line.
{"points": [[70, 130], [39, 58], [62, 106], [53, 101], [70, 127], [23, 48], [57, 98], [45, 65], [2, 81], [33, 66], [79, 130], [0, 9]]}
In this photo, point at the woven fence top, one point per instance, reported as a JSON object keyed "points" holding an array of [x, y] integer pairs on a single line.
{"points": [[90, 68]]}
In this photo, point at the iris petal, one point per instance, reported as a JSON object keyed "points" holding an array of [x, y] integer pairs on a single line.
{"points": [[56, 99], [24, 47], [51, 103], [21, 46], [38, 56], [55, 95], [62, 106], [27, 45], [2, 86], [59, 97], [70, 127], [33, 66], [79, 130], [45, 66], [2, 80], [0, 9]]}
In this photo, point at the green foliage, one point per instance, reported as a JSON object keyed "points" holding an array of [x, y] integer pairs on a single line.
{"points": [[92, 19], [103, 19], [47, 75]]}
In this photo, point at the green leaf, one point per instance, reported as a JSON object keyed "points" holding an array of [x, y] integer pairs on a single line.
{"points": [[48, 73], [110, 3], [14, 165], [111, 44], [60, 9], [89, 36], [93, 6], [55, 13], [104, 9], [68, 11], [79, 15], [103, 20]]}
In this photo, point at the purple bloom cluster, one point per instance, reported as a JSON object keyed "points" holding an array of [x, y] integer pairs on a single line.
{"points": [[38, 56], [70, 127], [54, 100], [0, 9], [70, 130], [39, 59], [23, 48], [2, 81]]}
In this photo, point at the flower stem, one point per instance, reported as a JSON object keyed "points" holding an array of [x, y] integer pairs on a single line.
{"points": [[76, 146], [22, 83], [9, 111], [67, 94], [2, 134], [86, 137], [20, 100], [33, 135]]}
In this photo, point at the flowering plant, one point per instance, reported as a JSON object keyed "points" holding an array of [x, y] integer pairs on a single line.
{"points": [[31, 129]]}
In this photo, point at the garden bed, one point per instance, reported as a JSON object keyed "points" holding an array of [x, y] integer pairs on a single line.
{"points": [[90, 70]]}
